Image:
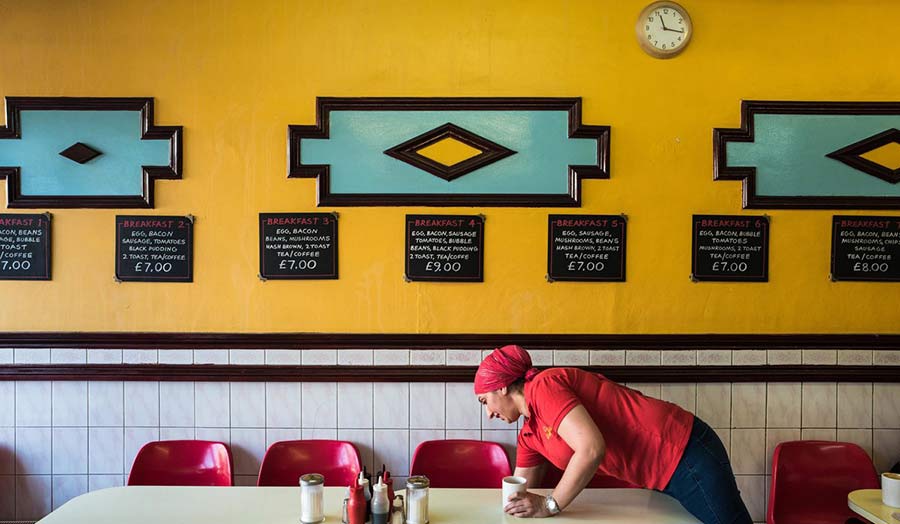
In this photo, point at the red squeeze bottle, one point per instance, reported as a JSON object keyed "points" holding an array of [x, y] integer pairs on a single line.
{"points": [[386, 478], [356, 507]]}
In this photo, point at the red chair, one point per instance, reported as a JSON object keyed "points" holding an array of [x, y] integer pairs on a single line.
{"points": [[285, 461], [461, 463], [182, 463], [553, 474], [811, 480]]}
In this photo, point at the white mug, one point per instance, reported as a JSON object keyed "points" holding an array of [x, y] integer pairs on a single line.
{"points": [[890, 489], [511, 485]]}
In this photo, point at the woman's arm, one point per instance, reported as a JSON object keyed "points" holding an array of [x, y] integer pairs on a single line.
{"points": [[578, 430]]}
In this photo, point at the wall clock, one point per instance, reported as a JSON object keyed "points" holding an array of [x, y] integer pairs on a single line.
{"points": [[664, 29]]}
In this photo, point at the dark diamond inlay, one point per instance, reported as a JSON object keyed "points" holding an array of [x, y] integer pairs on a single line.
{"points": [[490, 152], [81, 153], [852, 155]]}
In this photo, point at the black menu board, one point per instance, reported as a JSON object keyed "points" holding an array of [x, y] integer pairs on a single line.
{"points": [[730, 248], [154, 249], [24, 247], [445, 248], [586, 248], [298, 246], [865, 248]]}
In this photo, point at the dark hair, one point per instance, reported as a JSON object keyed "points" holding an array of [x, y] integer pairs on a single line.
{"points": [[518, 386]]}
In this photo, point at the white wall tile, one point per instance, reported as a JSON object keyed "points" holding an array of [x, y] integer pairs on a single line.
{"points": [[7, 403], [212, 404], [648, 389], [67, 487], [176, 404], [33, 451], [7, 451], [7, 497], [210, 356], [96, 482], [418, 436], [748, 451], [31, 356], [135, 438], [319, 405], [356, 357], [33, 496], [68, 356], [392, 449], [885, 448], [820, 357], [749, 357], [140, 356], [355, 404], [463, 409], [427, 357], [177, 433], [819, 405], [283, 357], [860, 437], [679, 357], [748, 405], [319, 357], [714, 404], [887, 407], [854, 403], [363, 440], [818, 434], [33, 404], [248, 404], [7, 355], [506, 438], [775, 437], [283, 404], [106, 404], [279, 434], [463, 357], [642, 357], [783, 405], [713, 357], [247, 357], [104, 356], [426, 405], [571, 357], [539, 357], [142, 403], [886, 357], [783, 357], [248, 447], [319, 433], [464, 434], [106, 448], [607, 357], [855, 357], [214, 434], [176, 356], [70, 451], [392, 357], [753, 493], [70, 403], [684, 395], [391, 410]]}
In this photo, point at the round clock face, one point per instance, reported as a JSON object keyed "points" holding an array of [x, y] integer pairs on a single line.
{"points": [[663, 29]]}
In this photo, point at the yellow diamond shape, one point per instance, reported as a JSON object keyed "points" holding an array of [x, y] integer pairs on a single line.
{"points": [[887, 155], [449, 151]]}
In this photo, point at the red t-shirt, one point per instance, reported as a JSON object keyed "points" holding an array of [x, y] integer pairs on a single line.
{"points": [[644, 437]]}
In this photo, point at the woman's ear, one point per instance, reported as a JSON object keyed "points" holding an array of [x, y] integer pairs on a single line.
{"points": [[504, 390]]}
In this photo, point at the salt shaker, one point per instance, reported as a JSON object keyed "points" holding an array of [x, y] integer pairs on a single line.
{"points": [[312, 498], [417, 500]]}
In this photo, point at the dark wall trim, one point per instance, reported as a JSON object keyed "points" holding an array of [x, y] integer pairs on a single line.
{"points": [[111, 340], [226, 373], [749, 108]]}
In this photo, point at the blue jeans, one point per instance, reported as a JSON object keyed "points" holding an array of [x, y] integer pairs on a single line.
{"points": [[703, 481]]}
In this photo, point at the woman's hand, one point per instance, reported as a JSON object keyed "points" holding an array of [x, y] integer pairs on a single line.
{"points": [[525, 504]]}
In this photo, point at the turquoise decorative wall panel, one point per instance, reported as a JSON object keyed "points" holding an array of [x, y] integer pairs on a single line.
{"points": [[85, 152], [810, 154], [371, 151]]}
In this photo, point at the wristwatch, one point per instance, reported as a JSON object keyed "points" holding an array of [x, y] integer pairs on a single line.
{"points": [[551, 505]]}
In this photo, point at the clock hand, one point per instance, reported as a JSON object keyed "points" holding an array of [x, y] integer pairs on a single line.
{"points": [[673, 30], [662, 21]]}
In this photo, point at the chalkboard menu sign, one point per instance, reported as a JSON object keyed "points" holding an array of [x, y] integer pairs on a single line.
{"points": [[445, 248], [586, 248], [154, 249], [24, 247], [865, 248], [298, 246], [730, 248]]}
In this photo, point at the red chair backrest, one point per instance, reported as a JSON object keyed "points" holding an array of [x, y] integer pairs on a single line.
{"points": [[552, 476], [285, 461], [461, 463], [811, 480], [182, 463]]}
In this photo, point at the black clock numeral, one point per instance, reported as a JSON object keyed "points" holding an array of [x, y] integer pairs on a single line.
{"points": [[646, 28], [649, 37], [679, 39], [650, 19], [666, 11], [656, 42], [664, 46], [681, 20]]}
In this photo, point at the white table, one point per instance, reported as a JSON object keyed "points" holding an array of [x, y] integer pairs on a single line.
{"points": [[867, 502], [201, 505]]}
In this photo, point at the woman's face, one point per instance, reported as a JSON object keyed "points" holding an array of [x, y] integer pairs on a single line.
{"points": [[499, 404]]}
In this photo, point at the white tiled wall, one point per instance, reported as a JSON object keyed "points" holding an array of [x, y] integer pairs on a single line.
{"points": [[61, 439]]}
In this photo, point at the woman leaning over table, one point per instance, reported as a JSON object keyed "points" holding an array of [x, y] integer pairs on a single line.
{"points": [[585, 424]]}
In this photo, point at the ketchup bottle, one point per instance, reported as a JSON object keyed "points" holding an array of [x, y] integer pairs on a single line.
{"points": [[356, 507]]}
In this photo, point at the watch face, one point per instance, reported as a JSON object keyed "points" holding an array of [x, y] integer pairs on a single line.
{"points": [[664, 28]]}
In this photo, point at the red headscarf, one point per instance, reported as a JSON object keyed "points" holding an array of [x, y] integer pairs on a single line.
{"points": [[503, 367]]}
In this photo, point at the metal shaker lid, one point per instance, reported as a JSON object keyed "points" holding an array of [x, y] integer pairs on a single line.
{"points": [[312, 479], [417, 482]]}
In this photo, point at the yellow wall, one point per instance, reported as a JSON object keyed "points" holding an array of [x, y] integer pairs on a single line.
{"points": [[236, 73]]}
